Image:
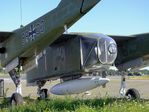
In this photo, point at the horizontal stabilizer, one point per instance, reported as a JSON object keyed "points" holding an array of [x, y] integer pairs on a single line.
{"points": [[4, 36]]}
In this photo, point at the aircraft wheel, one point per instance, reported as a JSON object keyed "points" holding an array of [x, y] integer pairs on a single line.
{"points": [[43, 94], [133, 94], [16, 99]]}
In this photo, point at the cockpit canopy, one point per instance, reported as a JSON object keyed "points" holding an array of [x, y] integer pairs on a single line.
{"points": [[98, 48]]}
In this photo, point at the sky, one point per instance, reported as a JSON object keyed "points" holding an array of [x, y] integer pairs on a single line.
{"points": [[118, 17]]}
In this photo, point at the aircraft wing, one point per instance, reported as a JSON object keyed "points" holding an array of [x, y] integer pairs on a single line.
{"points": [[4, 36], [28, 41], [121, 38], [133, 51]]}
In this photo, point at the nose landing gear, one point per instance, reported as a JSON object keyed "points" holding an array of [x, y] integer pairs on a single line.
{"points": [[130, 93]]}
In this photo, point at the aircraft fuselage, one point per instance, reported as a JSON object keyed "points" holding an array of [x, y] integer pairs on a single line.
{"points": [[72, 55]]}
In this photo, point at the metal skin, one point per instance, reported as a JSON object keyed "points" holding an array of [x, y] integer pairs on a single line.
{"points": [[72, 55], [29, 40], [78, 85]]}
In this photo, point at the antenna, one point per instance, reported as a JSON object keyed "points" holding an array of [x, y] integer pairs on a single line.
{"points": [[21, 14]]}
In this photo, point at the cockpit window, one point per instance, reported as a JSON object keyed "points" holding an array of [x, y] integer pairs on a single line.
{"points": [[89, 51]]}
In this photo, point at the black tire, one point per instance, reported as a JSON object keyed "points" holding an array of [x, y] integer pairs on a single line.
{"points": [[16, 99], [43, 94], [133, 93]]}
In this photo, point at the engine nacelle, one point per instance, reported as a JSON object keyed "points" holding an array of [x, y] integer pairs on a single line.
{"points": [[134, 64]]}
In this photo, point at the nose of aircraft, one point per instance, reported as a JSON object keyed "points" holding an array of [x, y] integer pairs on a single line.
{"points": [[88, 4]]}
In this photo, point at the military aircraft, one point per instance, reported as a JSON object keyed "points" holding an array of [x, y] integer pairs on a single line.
{"points": [[42, 51], [23, 47]]}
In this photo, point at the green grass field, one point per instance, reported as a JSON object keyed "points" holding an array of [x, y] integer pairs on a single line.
{"points": [[79, 105]]}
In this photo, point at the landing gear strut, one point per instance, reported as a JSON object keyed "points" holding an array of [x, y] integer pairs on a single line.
{"points": [[104, 75], [123, 86], [43, 93], [130, 93], [16, 97]]}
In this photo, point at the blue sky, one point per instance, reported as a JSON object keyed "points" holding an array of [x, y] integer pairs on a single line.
{"points": [[123, 17]]}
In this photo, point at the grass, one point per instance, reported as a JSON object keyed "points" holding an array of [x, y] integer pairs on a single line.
{"points": [[80, 105], [145, 77]]}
